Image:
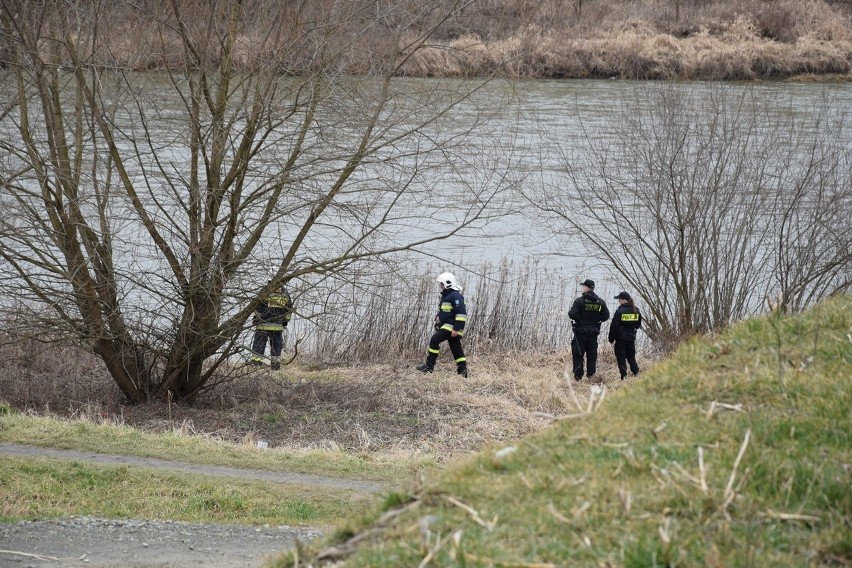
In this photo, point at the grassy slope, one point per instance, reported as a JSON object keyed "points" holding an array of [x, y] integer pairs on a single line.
{"points": [[623, 486]]}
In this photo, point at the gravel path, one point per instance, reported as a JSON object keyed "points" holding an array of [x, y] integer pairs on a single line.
{"points": [[87, 541]]}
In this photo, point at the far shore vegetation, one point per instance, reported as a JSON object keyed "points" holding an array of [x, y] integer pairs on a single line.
{"points": [[732, 40]]}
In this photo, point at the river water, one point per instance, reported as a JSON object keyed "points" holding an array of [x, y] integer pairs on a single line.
{"points": [[561, 117], [544, 121], [553, 120]]}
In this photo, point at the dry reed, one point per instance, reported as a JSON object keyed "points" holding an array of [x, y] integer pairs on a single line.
{"points": [[642, 39]]}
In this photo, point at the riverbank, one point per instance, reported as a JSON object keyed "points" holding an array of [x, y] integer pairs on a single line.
{"points": [[735, 52], [728, 40]]}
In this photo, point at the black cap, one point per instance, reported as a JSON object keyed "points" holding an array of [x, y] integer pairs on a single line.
{"points": [[588, 283], [623, 296]]}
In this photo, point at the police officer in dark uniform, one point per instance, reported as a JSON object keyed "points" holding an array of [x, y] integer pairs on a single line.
{"points": [[586, 313], [622, 334], [449, 326], [271, 317]]}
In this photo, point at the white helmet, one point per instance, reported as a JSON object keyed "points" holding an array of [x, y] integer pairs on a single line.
{"points": [[448, 280]]}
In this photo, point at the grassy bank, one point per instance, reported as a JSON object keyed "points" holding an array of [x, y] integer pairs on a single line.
{"points": [[735, 451], [36, 488]]}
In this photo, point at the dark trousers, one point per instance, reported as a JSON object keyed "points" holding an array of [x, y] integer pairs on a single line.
{"points": [[275, 338], [625, 352], [584, 344], [455, 347]]}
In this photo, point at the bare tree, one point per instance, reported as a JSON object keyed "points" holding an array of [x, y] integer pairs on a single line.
{"points": [[704, 205], [145, 214]]}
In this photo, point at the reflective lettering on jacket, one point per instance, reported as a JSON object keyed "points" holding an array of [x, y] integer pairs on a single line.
{"points": [[626, 321], [587, 312]]}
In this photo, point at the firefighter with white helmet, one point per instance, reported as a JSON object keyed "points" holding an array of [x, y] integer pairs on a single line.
{"points": [[449, 325]]}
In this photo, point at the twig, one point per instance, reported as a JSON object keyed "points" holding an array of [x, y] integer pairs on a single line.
{"points": [[686, 475], [36, 556], [435, 549], [702, 472], [551, 508], [473, 514], [626, 500], [492, 562], [660, 427], [791, 517], [571, 483], [723, 406], [618, 445], [729, 492]]}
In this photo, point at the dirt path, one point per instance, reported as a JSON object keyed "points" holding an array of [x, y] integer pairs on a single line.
{"points": [[86, 541]]}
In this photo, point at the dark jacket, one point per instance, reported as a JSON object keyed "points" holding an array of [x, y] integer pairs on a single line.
{"points": [[451, 311], [587, 312], [275, 312], [625, 322]]}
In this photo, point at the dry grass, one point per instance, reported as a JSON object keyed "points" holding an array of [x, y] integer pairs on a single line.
{"points": [[641, 39], [364, 408], [638, 49]]}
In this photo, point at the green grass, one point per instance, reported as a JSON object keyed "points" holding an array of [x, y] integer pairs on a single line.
{"points": [[35, 488], [623, 486], [85, 435]]}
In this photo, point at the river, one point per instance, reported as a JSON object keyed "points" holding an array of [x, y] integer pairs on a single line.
{"points": [[536, 125]]}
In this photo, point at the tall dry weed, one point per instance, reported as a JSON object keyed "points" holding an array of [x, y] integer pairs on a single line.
{"points": [[640, 39]]}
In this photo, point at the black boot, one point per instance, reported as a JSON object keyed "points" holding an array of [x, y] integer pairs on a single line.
{"points": [[462, 370], [429, 365]]}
